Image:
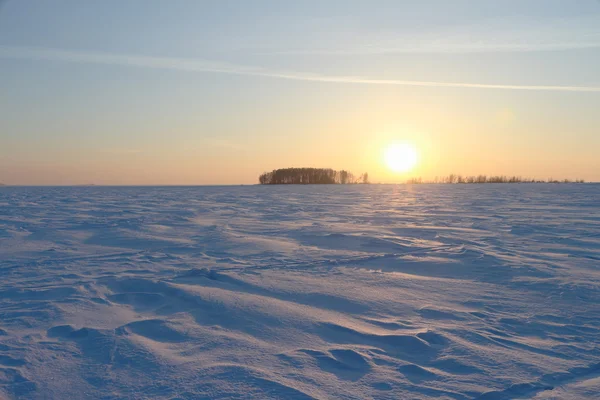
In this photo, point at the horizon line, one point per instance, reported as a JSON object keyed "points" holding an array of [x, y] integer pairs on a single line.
{"points": [[200, 65], [405, 182]]}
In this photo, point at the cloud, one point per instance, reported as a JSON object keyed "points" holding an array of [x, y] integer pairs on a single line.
{"points": [[196, 65], [517, 34], [443, 48]]}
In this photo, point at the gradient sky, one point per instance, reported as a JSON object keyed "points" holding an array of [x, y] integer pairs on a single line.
{"points": [[216, 92]]}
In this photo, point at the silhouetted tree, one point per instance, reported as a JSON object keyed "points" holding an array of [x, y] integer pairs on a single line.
{"points": [[306, 176], [452, 178], [343, 177]]}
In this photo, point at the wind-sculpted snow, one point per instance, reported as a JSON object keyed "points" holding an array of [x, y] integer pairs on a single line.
{"points": [[300, 292]]}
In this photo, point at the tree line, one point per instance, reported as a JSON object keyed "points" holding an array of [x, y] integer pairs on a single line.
{"points": [[455, 178], [306, 176]]}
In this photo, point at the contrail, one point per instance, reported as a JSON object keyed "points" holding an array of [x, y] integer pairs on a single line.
{"points": [[194, 65], [427, 48]]}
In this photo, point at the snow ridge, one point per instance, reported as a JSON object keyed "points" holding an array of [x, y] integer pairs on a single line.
{"points": [[300, 292]]}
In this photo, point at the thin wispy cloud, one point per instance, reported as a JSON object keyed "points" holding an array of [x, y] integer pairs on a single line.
{"points": [[197, 65], [517, 34], [444, 48], [462, 43]]}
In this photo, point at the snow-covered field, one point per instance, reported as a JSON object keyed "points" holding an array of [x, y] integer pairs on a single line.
{"points": [[294, 292]]}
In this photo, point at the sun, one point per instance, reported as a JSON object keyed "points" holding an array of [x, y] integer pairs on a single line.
{"points": [[401, 157]]}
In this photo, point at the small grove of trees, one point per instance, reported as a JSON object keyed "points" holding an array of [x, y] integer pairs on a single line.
{"points": [[304, 176], [454, 178]]}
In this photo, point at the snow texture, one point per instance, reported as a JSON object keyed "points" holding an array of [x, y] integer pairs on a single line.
{"points": [[299, 292]]}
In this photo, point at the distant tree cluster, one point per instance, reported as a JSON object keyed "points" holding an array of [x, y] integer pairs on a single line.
{"points": [[454, 178], [305, 176]]}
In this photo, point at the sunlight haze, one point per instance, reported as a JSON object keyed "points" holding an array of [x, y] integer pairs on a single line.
{"points": [[218, 92]]}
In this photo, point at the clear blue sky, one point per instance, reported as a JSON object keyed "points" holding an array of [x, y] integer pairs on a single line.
{"points": [[205, 92]]}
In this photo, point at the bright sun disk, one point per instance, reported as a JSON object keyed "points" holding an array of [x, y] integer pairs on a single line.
{"points": [[401, 157]]}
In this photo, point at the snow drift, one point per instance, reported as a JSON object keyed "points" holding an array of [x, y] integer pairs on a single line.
{"points": [[300, 292]]}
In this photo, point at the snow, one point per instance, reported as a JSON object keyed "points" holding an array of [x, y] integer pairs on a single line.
{"points": [[298, 292]]}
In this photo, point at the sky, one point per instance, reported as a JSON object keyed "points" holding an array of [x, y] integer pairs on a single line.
{"points": [[142, 92]]}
